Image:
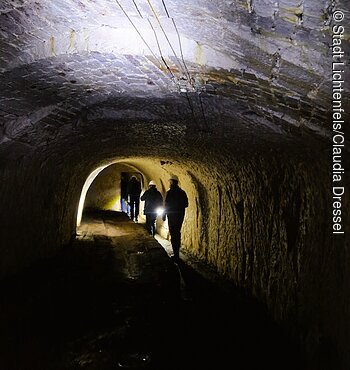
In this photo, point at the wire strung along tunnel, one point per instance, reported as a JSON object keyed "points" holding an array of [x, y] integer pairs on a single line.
{"points": [[233, 97]]}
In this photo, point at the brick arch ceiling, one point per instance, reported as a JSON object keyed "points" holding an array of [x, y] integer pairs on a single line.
{"points": [[266, 63]]}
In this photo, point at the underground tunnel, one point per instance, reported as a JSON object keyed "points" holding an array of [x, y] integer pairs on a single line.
{"points": [[233, 97]]}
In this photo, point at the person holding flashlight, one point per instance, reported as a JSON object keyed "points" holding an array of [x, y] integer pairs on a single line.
{"points": [[153, 202]]}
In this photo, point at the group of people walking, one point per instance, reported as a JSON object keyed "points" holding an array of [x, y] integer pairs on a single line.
{"points": [[175, 203]]}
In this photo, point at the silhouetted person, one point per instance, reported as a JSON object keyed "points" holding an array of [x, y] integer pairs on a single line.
{"points": [[175, 203], [153, 200], [134, 191]]}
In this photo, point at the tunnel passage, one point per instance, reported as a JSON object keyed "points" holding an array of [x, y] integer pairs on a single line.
{"points": [[114, 299], [241, 220], [102, 190], [233, 97], [106, 189]]}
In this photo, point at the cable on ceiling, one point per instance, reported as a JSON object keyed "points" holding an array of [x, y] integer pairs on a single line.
{"points": [[191, 107], [173, 77], [138, 32], [181, 51], [165, 35], [137, 8], [166, 10], [202, 109], [160, 50]]}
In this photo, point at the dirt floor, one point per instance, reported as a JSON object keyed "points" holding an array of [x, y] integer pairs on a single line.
{"points": [[113, 299]]}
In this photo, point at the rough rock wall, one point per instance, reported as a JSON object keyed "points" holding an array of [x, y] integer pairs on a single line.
{"points": [[260, 216], [37, 209], [264, 222]]}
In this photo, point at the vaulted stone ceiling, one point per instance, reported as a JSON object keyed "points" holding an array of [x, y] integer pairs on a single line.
{"points": [[264, 64], [234, 96]]}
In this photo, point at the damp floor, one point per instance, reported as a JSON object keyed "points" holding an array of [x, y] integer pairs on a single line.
{"points": [[113, 299]]}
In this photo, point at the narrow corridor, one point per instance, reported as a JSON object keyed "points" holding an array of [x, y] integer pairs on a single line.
{"points": [[114, 299]]}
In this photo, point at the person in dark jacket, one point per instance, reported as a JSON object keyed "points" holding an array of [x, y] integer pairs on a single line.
{"points": [[134, 191], [153, 200], [175, 203]]}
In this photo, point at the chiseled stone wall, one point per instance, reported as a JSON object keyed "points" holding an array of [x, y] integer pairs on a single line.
{"points": [[260, 216], [264, 223], [248, 139]]}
